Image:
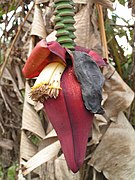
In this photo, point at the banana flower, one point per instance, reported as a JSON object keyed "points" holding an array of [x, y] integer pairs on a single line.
{"points": [[69, 85]]}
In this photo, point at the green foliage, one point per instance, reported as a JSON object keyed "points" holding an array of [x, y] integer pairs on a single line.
{"points": [[122, 60], [7, 7], [34, 139], [11, 172], [122, 2], [1, 57], [1, 172]]}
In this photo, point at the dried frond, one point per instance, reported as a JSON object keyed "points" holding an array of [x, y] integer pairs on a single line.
{"points": [[105, 3]]}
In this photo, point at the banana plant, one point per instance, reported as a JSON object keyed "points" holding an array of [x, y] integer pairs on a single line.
{"points": [[69, 84]]}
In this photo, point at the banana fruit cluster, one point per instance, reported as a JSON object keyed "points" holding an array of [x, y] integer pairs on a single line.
{"points": [[64, 23], [48, 82]]}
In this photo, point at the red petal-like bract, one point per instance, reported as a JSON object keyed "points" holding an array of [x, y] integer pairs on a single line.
{"points": [[43, 54], [71, 120], [67, 113], [37, 60], [95, 56], [57, 49]]}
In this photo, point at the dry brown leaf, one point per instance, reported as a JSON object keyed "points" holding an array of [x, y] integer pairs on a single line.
{"points": [[50, 127], [27, 94], [86, 28], [38, 27], [41, 1], [120, 96], [42, 156], [51, 134], [46, 142], [62, 171], [27, 149], [30, 119], [4, 99], [115, 155], [131, 4], [7, 75], [37, 105], [98, 122], [117, 96], [31, 44], [26, 26], [97, 175], [105, 3], [20, 175], [49, 17], [19, 78], [51, 36], [47, 170], [6, 143], [49, 166], [80, 1], [49, 139]]}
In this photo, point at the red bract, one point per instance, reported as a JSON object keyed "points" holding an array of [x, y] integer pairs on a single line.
{"points": [[67, 113], [95, 56], [43, 54], [70, 119]]}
